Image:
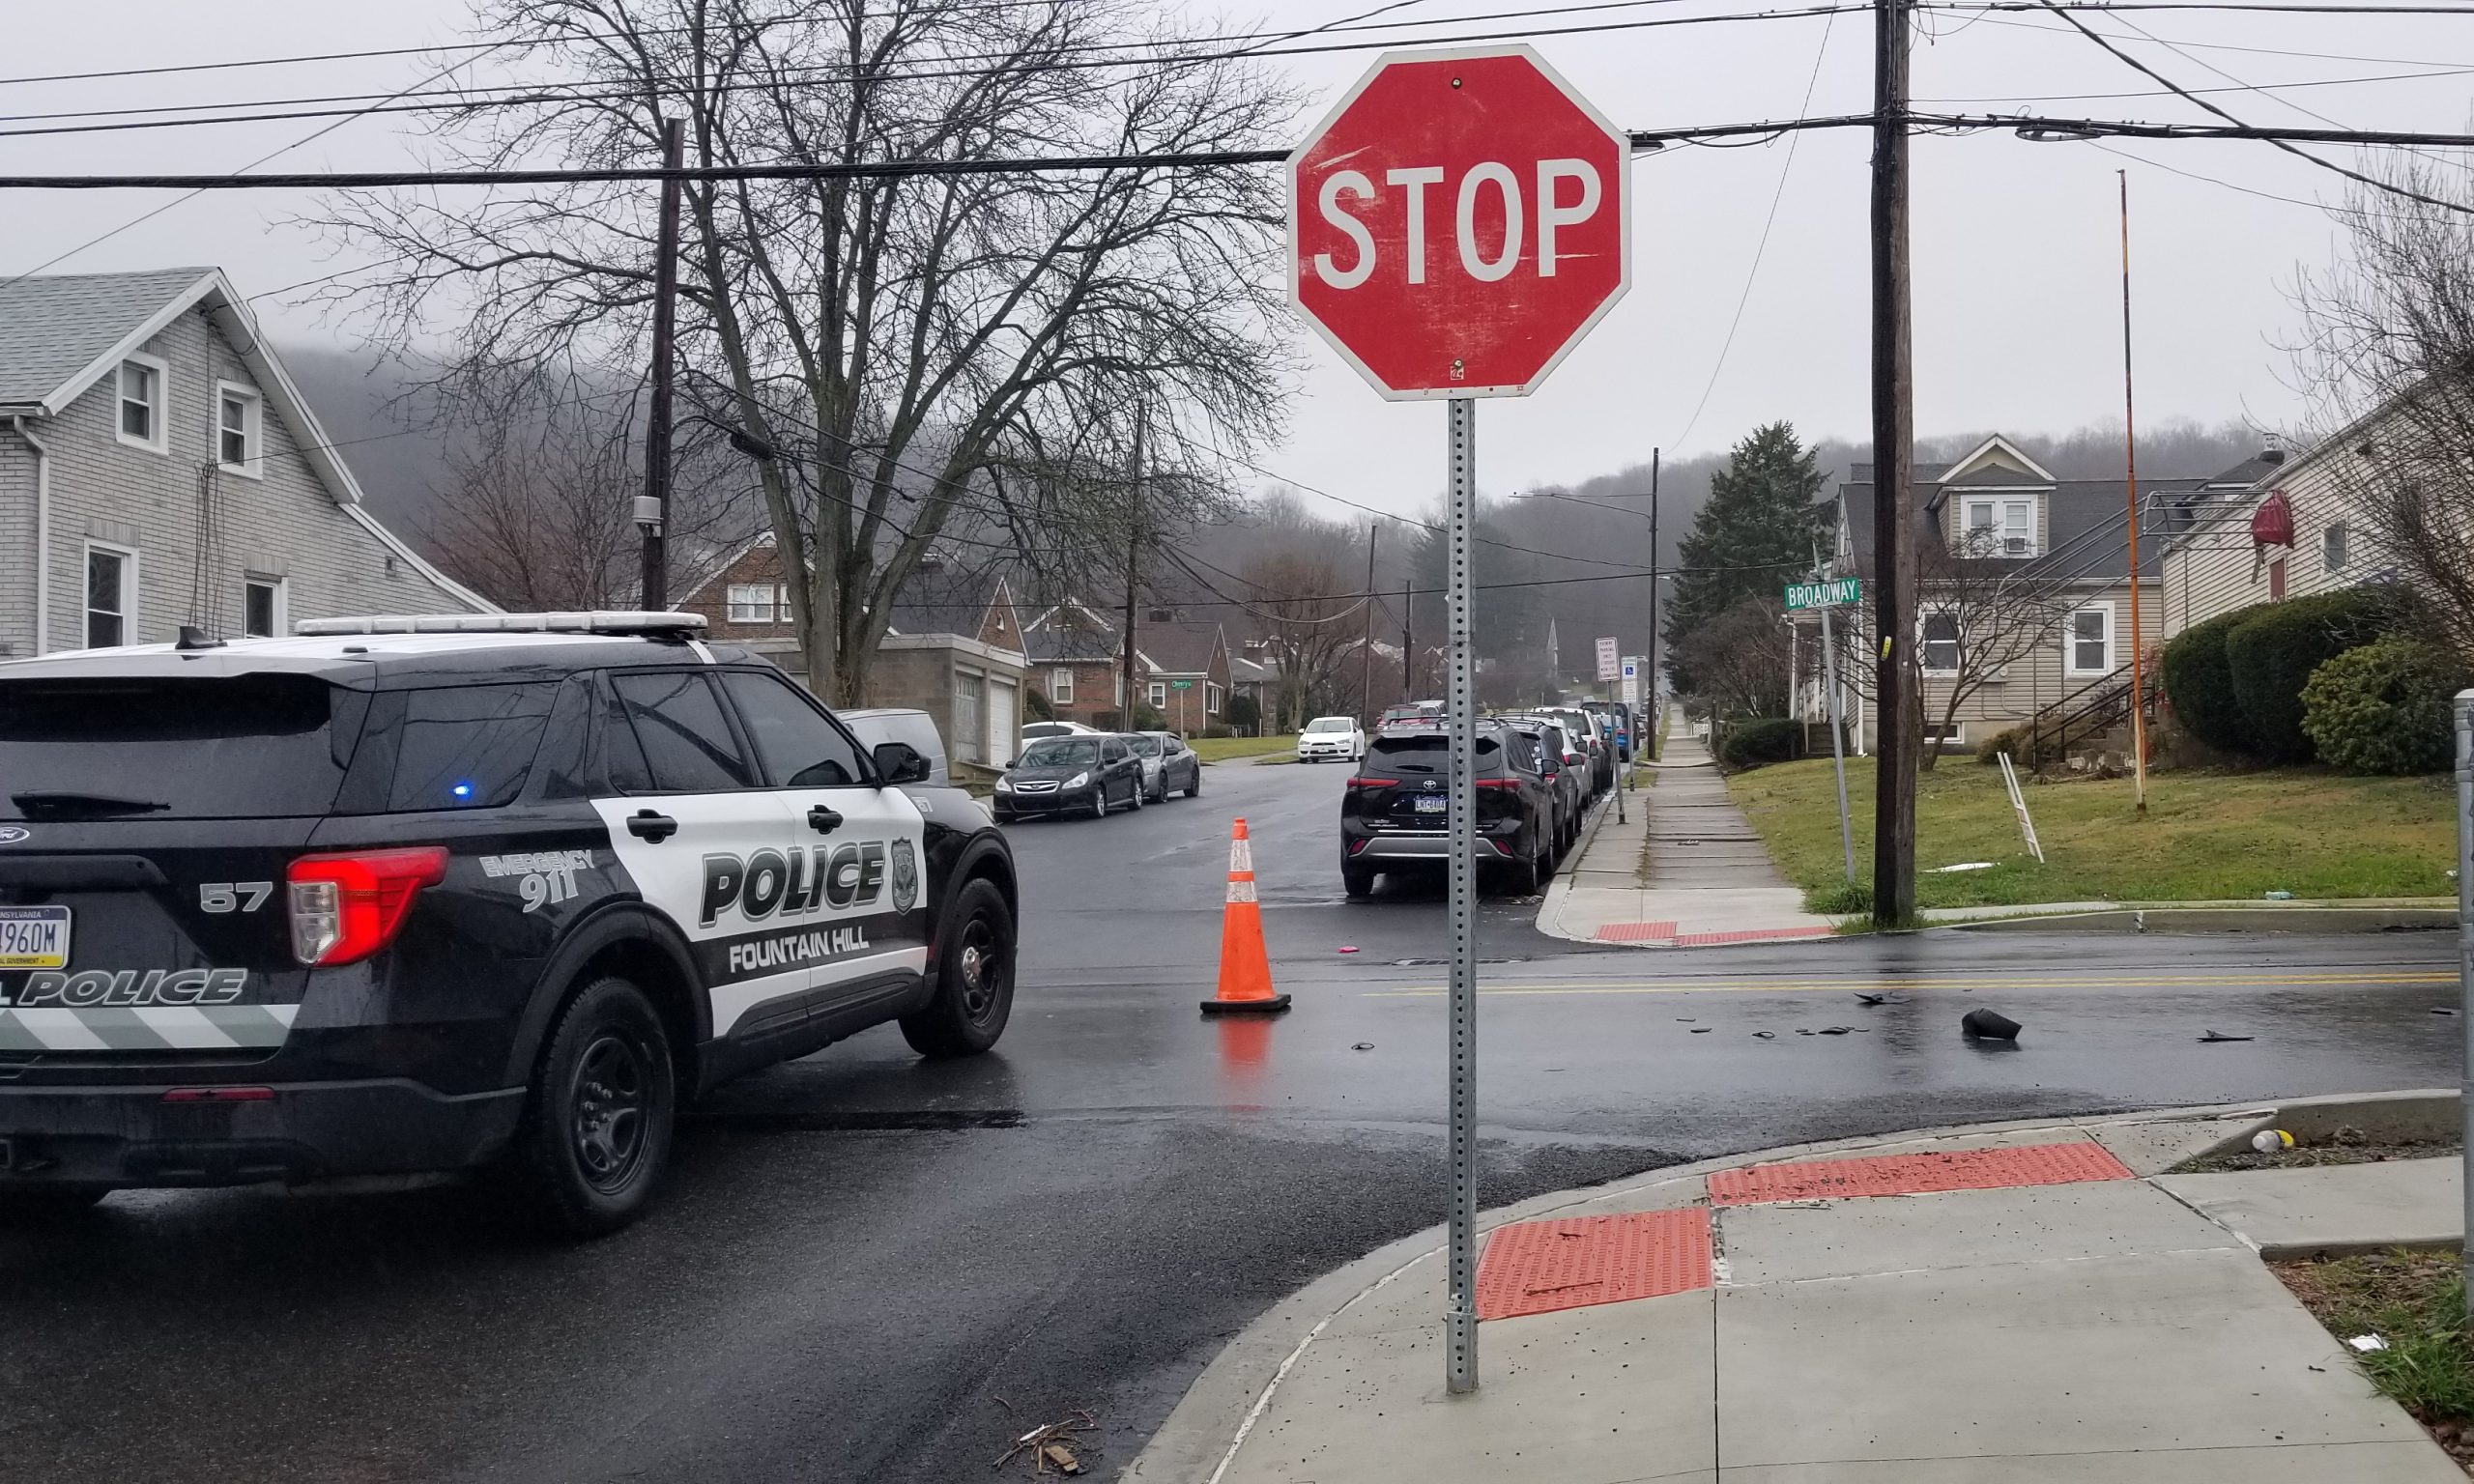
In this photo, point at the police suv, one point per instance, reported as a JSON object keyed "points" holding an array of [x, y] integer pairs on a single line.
{"points": [[479, 890]]}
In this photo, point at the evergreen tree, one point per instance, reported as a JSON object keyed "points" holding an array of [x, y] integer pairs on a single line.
{"points": [[1755, 533]]}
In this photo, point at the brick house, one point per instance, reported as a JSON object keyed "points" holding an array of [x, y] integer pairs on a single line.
{"points": [[1184, 672], [1077, 661], [953, 650], [159, 468]]}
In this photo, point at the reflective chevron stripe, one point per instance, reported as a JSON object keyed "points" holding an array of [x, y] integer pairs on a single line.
{"points": [[146, 1028]]}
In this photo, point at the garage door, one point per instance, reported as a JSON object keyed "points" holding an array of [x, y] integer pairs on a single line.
{"points": [[1004, 719]]}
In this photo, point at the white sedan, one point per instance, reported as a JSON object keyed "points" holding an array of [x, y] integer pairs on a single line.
{"points": [[1331, 736]]}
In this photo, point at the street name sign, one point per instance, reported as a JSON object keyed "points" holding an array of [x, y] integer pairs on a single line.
{"points": [[1458, 222], [1838, 592]]}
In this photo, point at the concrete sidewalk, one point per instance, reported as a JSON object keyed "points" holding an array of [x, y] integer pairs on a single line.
{"points": [[1708, 879], [2023, 1303]]}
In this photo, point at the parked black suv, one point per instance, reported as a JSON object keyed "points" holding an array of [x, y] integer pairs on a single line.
{"points": [[1391, 815], [441, 894]]}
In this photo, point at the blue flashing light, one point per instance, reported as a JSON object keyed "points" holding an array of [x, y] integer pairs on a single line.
{"points": [[462, 791]]}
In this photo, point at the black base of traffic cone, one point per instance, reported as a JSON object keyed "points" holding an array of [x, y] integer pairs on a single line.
{"points": [[1988, 1025], [1270, 1007]]}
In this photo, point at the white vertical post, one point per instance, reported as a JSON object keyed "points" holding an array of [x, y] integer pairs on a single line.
{"points": [[2465, 961], [1460, 1364], [1837, 744]]}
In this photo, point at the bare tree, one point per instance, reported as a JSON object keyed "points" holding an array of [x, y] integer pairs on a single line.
{"points": [[1740, 658], [535, 512], [895, 355], [2388, 352], [1295, 598], [1977, 615]]}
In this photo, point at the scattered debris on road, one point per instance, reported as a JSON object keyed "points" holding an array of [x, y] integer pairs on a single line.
{"points": [[1363, 1045], [1050, 1447], [1765, 1035], [1348, 948], [2443, 1009], [1701, 1030], [2214, 1036], [1988, 1025], [1861, 998], [2367, 1343]]}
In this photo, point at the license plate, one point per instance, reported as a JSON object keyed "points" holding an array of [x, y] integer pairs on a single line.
{"points": [[33, 937], [1433, 804]]}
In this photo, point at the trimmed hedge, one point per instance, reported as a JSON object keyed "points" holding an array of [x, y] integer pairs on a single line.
{"points": [[2384, 707], [2271, 655], [2199, 680], [2014, 741], [1768, 739]]}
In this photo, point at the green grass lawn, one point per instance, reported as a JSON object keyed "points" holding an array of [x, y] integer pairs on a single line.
{"points": [[2208, 835], [1218, 749]]}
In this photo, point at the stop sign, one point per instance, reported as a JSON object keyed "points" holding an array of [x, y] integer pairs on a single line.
{"points": [[1457, 223]]}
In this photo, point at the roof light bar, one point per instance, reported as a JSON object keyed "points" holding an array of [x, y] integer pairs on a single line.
{"points": [[620, 622]]}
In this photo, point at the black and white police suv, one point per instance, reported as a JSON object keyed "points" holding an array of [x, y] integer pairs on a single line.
{"points": [[473, 892]]}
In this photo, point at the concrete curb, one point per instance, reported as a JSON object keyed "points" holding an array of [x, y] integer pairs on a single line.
{"points": [[2216, 916], [1550, 906], [1202, 1435]]}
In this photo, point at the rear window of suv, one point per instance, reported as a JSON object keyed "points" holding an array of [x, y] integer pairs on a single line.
{"points": [[223, 748], [1424, 753]]}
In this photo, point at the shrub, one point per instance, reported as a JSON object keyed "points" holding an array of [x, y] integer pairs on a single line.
{"points": [[2014, 741], [1244, 714], [1215, 730], [1035, 702], [2384, 707], [2272, 654], [2198, 681], [1766, 739]]}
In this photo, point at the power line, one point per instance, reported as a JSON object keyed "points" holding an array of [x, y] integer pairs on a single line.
{"points": [[2061, 9], [2263, 88], [1752, 273], [1064, 65]]}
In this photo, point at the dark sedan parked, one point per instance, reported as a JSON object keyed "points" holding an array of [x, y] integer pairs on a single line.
{"points": [[1071, 775], [1392, 817]]}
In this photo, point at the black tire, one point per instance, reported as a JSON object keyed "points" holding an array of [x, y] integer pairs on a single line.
{"points": [[1100, 802], [1521, 878], [1133, 800], [974, 978], [1357, 880], [1193, 787], [32, 1204], [597, 1123]]}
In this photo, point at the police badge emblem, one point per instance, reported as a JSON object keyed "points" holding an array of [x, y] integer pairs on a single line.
{"points": [[906, 876]]}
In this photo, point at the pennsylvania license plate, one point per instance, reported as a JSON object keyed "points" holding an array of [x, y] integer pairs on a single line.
{"points": [[33, 937], [1433, 804]]}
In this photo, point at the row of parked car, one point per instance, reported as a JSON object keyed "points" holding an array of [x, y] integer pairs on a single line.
{"points": [[1536, 774], [1068, 768]]}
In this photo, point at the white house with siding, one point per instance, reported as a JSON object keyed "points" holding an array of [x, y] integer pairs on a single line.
{"points": [[2213, 562], [159, 468]]}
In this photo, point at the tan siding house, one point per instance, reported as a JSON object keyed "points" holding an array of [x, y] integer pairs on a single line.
{"points": [[2213, 565]]}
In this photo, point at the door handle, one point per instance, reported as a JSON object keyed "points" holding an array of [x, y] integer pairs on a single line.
{"points": [[824, 820], [645, 824]]}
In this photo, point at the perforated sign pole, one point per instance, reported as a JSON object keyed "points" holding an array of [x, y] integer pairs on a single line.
{"points": [[2465, 963], [1461, 1364]]}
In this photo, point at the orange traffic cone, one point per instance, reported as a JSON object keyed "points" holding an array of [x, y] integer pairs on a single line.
{"points": [[1245, 969]]}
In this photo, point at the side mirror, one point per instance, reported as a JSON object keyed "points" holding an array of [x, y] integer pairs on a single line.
{"points": [[900, 763], [1013, 763]]}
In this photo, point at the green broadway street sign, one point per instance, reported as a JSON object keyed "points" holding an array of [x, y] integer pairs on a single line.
{"points": [[1181, 685], [1829, 594]]}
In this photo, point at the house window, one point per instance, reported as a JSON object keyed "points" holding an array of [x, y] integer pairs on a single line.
{"points": [[1940, 643], [111, 590], [751, 602], [2090, 641], [262, 607], [238, 419], [141, 402], [1060, 686], [1159, 693], [2333, 553], [1212, 698], [2002, 527]]}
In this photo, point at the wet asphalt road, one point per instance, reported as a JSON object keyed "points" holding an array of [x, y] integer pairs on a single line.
{"points": [[870, 1268]]}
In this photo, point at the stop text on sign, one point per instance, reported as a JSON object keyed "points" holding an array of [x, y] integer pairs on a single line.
{"points": [[1487, 225], [1458, 222]]}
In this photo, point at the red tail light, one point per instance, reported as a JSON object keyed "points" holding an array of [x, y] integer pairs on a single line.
{"points": [[1373, 783], [1508, 785], [347, 907]]}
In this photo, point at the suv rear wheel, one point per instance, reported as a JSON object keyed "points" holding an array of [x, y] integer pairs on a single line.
{"points": [[1357, 880], [974, 978], [597, 1125]]}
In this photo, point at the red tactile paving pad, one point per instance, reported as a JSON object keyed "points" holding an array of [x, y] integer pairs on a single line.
{"points": [[1539, 1267], [1635, 932], [1965, 1169], [1750, 935]]}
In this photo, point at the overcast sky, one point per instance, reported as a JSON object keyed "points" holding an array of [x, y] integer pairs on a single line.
{"points": [[2016, 267]]}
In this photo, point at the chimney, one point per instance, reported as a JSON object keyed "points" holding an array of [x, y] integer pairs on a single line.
{"points": [[2272, 457]]}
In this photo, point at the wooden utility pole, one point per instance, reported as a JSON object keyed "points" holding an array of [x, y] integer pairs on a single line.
{"points": [[1896, 678], [1365, 669], [1647, 722], [653, 512], [1133, 552], [2130, 476]]}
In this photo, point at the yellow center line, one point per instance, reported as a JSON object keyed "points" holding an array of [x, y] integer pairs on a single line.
{"points": [[1806, 986]]}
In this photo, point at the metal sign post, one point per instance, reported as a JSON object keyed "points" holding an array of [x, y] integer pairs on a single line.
{"points": [[1837, 740], [1461, 1373], [2465, 959], [1456, 224]]}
